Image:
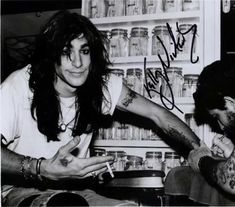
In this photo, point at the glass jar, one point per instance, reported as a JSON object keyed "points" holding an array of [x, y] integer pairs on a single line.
{"points": [[154, 6], [187, 35], [153, 160], [134, 79], [190, 84], [172, 5], [134, 163], [189, 5], [98, 8], [172, 160], [134, 7], [108, 134], [175, 83], [118, 46], [119, 159], [153, 76], [116, 8], [138, 44], [157, 47]]}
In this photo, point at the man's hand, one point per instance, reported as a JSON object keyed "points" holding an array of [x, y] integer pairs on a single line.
{"points": [[222, 146], [64, 165], [196, 154]]}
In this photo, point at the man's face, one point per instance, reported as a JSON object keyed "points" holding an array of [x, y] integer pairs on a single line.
{"points": [[74, 68], [226, 121]]}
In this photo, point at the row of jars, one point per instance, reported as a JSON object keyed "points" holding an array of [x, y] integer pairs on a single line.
{"points": [[119, 44], [112, 8], [153, 160], [158, 83]]}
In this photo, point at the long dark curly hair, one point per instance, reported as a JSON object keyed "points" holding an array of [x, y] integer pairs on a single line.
{"points": [[216, 81], [58, 33]]}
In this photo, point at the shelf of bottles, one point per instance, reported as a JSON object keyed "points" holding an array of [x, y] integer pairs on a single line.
{"points": [[133, 29]]}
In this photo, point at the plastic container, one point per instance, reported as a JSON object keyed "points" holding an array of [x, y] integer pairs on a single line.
{"points": [[119, 159], [134, 7], [134, 163], [190, 5], [98, 8], [172, 160], [187, 37], [138, 44], [153, 160], [154, 6], [172, 5], [157, 47], [119, 43], [190, 84]]}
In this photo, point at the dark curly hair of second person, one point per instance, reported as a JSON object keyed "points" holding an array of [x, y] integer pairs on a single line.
{"points": [[57, 34], [216, 81]]}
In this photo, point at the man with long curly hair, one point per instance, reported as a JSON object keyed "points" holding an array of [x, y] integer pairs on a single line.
{"points": [[51, 107]]}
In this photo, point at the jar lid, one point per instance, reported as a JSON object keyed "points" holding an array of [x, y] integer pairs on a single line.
{"points": [[174, 70], [159, 28], [134, 71], [134, 158], [153, 69], [191, 76], [171, 155], [139, 31], [117, 71], [116, 153], [185, 27], [119, 32], [98, 151], [153, 154]]}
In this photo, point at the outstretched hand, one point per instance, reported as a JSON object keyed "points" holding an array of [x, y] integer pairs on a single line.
{"points": [[64, 165]]}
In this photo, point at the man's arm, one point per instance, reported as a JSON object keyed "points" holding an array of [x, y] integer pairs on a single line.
{"points": [[219, 173], [170, 124]]}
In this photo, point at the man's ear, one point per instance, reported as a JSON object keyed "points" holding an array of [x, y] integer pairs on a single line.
{"points": [[229, 103]]}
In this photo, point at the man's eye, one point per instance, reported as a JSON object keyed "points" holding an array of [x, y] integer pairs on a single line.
{"points": [[85, 51]]}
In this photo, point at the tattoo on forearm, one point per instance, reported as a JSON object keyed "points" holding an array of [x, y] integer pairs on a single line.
{"points": [[64, 162], [129, 98], [179, 136], [226, 173]]}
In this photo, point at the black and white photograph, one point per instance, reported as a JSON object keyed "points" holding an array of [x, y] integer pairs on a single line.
{"points": [[117, 103]]}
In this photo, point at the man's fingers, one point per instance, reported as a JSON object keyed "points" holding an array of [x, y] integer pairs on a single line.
{"points": [[71, 145]]}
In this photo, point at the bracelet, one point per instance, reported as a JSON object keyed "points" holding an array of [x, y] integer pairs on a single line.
{"points": [[26, 165], [38, 166]]}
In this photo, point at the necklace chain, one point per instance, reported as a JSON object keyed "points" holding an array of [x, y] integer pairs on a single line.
{"points": [[63, 126]]}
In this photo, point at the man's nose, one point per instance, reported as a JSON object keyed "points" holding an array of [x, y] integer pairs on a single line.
{"points": [[77, 61]]}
